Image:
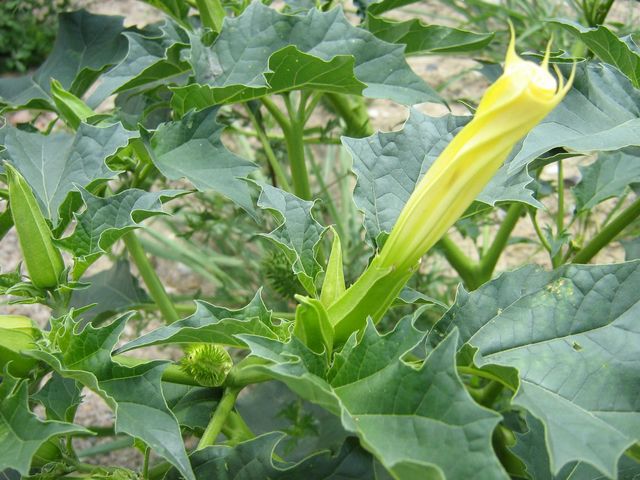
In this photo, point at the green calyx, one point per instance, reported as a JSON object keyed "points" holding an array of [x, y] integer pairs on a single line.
{"points": [[17, 333], [41, 256]]}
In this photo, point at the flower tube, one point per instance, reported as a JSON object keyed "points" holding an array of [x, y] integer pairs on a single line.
{"points": [[511, 107]]}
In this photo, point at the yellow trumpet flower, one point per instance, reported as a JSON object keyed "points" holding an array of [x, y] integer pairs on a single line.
{"points": [[511, 107]]}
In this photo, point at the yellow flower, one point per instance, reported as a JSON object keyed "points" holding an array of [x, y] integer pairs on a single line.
{"points": [[511, 107]]}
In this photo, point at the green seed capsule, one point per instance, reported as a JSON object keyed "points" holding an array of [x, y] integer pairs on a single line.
{"points": [[42, 258]]}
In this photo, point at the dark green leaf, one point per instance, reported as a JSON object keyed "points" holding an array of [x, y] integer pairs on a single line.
{"points": [[421, 38], [55, 165], [105, 220], [631, 248], [289, 69], [605, 44], [240, 55], [212, 324], [254, 459], [418, 422], [113, 291], [192, 406], [573, 336], [60, 397], [134, 393], [149, 58], [607, 177], [21, 432], [298, 234], [191, 148], [85, 46]]}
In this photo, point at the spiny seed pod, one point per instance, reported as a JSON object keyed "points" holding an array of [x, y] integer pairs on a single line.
{"points": [[42, 258], [277, 269], [207, 363], [17, 333]]}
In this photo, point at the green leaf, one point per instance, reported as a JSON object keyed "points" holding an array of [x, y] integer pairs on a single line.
{"points": [[389, 165], [572, 335], [70, 161], [607, 177], [619, 52], [419, 420], [176, 9], [212, 324], [151, 57], [289, 69], [191, 405], [254, 459], [191, 148], [105, 220], [240, 55], [312, 325], [377, 8], [21, 432], [60, 397], [112, 291], [421, 38], [86, 44], [631, 248], [71, 108], [134, 393], [298, 235]]}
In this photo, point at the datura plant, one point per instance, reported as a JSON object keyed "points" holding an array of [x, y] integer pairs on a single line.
{"points": [[201, 225]]}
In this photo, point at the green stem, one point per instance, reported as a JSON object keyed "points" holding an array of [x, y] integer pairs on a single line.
{"points": [[150, 277], [557, 258], [244, 373], [543, 240], [236, 429], [276, 113], [490, 258], [608, 233], [223, 409], [271, 157], [355, 116], [211, 14], [460, 262], [117, 444], [145, 465], [172, 373]]}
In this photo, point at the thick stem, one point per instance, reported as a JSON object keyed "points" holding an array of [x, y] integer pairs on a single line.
{"points": [[355, 116], [460, 262], [224, 408], [492, 255], [171, 374], [608, 233], [150, 277]]}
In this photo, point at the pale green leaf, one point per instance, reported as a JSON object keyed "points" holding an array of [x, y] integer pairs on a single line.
{"points": [[55, 165], [191, 147]]}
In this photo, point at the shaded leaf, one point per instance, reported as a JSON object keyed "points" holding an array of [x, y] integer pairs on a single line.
{"points": [[60, 397], [85, 45], [69, 161], [191, 148], [254, 459], [631, 248], [191, 405], [298, 235], [21, 432], [421, 38], [240, 55], [607, 177], [212, 324], [619, 52], [572, 335], [150, 57], [418, 422], [133, 393], [105, 220], [113, 291]]}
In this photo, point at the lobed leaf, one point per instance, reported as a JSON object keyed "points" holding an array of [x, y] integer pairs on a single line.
{"points": [[56, 165], [85, 46], [573, 337]]}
